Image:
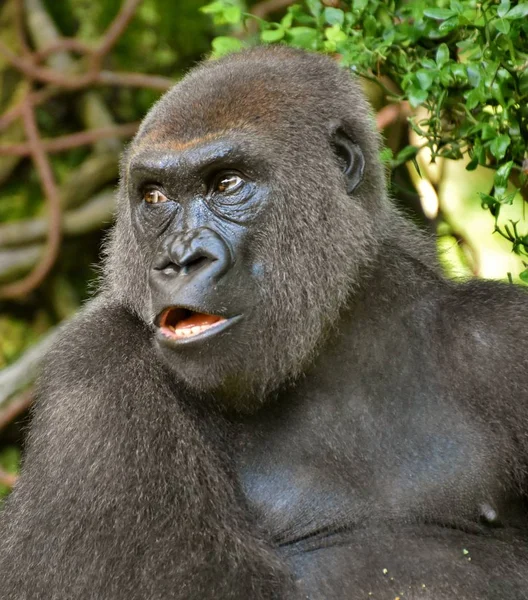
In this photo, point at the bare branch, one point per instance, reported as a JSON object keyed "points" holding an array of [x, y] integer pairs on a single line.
{"points": [[16, 262], [44, 74], [91, 77], [391, 113], [155, 82], [36, 98], [19, 27], [74, 140], [7, 479], [117, 27], [16, 407], [266, 7], [89, 217], [74, 82], [47, 179], [21, 373], [62, 45]]}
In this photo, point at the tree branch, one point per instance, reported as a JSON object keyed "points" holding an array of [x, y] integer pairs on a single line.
{"points": [[35, 98], [7, 479], [89, 217], [117, 27], [391, 113], [21, 373], [266, 7], [73, 140], [47, 179], [15, 407], [120, 78]]}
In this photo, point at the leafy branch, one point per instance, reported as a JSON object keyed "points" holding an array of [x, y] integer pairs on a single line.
{"points": [[465, 61]]}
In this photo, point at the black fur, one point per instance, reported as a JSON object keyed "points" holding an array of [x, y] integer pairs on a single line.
{"points": [[359, 430]]}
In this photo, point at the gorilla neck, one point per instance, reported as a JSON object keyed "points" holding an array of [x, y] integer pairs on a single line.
{"points": [[396, 274]]}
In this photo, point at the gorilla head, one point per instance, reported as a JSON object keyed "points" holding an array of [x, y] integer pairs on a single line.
{"points": [[243, 223]]}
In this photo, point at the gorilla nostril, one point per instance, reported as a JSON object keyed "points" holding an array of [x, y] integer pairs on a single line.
{"points": [[196, 265], [167, 267], [171, 269]]}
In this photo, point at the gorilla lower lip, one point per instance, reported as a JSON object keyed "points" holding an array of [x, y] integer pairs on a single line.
{"points": [[180, 323]]}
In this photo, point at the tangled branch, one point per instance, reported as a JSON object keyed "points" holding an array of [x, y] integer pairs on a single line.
{"points": [[86, 73], [49, 186]]}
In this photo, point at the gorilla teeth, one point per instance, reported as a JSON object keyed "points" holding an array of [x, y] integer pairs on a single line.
{"points": [[185, 332], [189, 331], [178, 323]]}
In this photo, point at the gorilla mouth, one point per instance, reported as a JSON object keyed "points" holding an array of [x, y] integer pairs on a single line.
{"points": [[182, 323]]}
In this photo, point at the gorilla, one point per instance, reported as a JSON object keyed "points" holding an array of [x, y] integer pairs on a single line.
{"points": [[276, 394]]}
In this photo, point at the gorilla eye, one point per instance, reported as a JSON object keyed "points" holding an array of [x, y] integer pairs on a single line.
{"points": [[228, 183], [153, 196]]}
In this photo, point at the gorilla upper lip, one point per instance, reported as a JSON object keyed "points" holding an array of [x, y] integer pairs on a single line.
{"points": [[181, 324]]}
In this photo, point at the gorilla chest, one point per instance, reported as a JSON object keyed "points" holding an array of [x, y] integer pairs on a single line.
{"points": [[320, 474]]}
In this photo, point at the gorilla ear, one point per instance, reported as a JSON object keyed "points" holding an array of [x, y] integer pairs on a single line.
{"points": [[350, 157]]}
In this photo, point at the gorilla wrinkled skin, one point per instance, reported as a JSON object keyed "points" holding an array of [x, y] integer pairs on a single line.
{"points": [[276, 394]]}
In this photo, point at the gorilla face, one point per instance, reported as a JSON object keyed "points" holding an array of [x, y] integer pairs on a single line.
{"points": [[195, 214], [245, 230]]}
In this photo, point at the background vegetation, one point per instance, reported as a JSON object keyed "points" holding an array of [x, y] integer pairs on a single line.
{"points": [[448, 80]]}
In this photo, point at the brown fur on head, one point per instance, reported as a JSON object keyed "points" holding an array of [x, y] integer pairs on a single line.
{"points": [[312, 240]]}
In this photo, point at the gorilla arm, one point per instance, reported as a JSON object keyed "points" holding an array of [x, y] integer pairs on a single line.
{"points": [[122, 496]]}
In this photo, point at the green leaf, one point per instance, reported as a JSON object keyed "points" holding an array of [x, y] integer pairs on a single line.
{"points": [[224, 12], [303, 37], [442, 55], [315, 7], [428, 63], [523, 276], [233, 15], [287, 20], [503, 8], [360, 5], [488, 132], [425, 78], [518, 12], [213, 8], [457, 6], [10, 459], [503, 173], [416, 96], [386, 155], [473, 163], [439, 13], [500, 145], [334, 16], [523, 83], [408, 153], [459, 72], [272, 35], [502, 25], [490, 203], [370, 25], [448, 25], [225, 45], [473, 74], [335, 34], [446, 78]]}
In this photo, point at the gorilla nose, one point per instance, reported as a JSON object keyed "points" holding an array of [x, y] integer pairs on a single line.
{"points": [[197, 252]]}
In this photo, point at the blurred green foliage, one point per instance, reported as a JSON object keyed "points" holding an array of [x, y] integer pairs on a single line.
{"points": [[10, 463]]}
